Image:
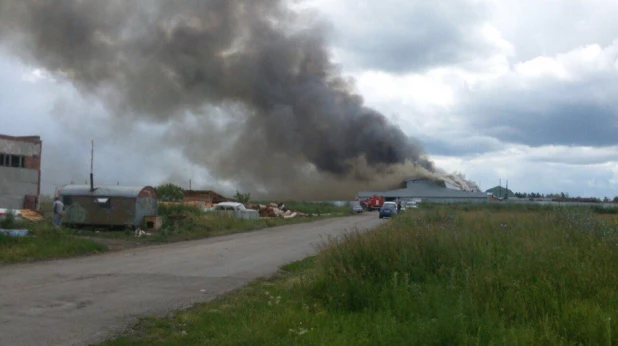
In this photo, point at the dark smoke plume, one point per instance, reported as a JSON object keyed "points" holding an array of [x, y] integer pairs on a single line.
{"points": [[247, 87]]}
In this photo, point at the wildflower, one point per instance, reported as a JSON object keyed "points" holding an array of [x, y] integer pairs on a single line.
{"points": [[299, 331]]}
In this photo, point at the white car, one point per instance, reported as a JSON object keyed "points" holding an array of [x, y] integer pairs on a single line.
{"points": [[393, 204], [237, 209], [411, 204], [232, 206]]}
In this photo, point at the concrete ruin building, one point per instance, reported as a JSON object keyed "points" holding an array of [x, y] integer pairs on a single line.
{"points": [[20, 172]]}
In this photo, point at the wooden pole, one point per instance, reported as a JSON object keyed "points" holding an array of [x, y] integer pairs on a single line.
{"points": [[92, 167]]}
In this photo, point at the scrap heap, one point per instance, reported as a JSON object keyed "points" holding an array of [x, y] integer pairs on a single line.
{"points": [[277, 210]]}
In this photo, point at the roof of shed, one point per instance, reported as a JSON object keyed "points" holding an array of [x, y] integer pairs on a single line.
{"points": [[102, 191]]}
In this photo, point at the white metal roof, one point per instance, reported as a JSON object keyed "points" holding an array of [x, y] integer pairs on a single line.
{"points": [[101, 191]]}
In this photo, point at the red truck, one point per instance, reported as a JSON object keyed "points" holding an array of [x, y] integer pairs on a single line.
{"points": [[374, 202]]}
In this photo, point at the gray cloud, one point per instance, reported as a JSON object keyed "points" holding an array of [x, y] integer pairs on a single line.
{"points": [[403, 36], [576, 156], [461, 144], [553, 27], [559, 113]]}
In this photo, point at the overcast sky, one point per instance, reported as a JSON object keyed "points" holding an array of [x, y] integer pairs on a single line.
{"points": [[524, 91]]}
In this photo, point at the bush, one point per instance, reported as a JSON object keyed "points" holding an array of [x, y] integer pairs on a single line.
{"points": [[9, 221], [177, 218], [169, 193], [604, 210], [242, 197], [178, 210]]}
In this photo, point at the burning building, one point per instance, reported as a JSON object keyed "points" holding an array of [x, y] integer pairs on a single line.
{"points": [[20, 172], [427, 190]]}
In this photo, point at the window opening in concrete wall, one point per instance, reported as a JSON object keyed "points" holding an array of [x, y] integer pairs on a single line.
{"points": [[67, 200], [5, 160], [15, 161]]}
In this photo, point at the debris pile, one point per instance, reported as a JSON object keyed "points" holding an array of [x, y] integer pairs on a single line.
{"points": [[31, 215], [277, 210], [139, 233], [23, 214]]}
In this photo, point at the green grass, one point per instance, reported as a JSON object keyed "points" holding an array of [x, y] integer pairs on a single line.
{"points": [[44, 242], [429, 277]]}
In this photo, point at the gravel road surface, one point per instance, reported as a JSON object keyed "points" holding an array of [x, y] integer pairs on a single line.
{"points": [[86, 300]]}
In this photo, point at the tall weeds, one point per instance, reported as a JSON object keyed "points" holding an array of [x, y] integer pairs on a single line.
{"points": [[461, 277]]}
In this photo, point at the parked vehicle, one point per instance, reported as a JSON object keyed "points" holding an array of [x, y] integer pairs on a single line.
{"points": [[388, 210], [237, 210], [357, 208], [411, 204], [392, 204]]}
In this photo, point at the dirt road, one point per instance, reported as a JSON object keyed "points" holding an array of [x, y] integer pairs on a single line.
{"points": [[86, 300]]}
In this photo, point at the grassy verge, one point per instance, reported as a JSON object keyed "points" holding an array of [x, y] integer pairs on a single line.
{"points": [[439, 276], [44, 242], [182, 222]]}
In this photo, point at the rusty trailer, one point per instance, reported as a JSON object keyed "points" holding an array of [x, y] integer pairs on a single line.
{"points": [[108, 206]]}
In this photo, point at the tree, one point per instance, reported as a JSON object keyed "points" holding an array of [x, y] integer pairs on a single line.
{"points": [[616, 199], [170, 193], [242, 197]]}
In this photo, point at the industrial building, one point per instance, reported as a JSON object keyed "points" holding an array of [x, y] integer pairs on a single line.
{"points": [[426, 190], [127, 206], [20, 172]]}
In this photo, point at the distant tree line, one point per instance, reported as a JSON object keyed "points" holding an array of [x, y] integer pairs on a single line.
{"points": [[529, 195], [564, 197]]}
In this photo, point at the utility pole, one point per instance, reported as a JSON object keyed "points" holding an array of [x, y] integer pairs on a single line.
{"points": [[507, 190], [92, 167]]}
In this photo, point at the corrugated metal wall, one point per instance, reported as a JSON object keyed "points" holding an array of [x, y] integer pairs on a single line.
{"points": [[84, 210], [146, 206]]}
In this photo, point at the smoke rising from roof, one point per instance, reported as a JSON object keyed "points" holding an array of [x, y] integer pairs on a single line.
{"points": [[247, 87]]}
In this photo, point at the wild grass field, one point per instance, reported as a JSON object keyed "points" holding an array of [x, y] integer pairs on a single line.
{"points": [[42, 242], [438, 275]]}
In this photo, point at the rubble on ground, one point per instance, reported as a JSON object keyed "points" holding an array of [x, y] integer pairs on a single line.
{"points": [[22, 214], [31, 215], [139, 233], [277, 210]]}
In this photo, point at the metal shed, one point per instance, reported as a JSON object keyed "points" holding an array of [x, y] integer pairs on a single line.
{"points": [[108, 205]]}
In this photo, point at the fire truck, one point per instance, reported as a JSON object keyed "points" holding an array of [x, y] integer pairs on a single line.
{"points": [[372, 203]]}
